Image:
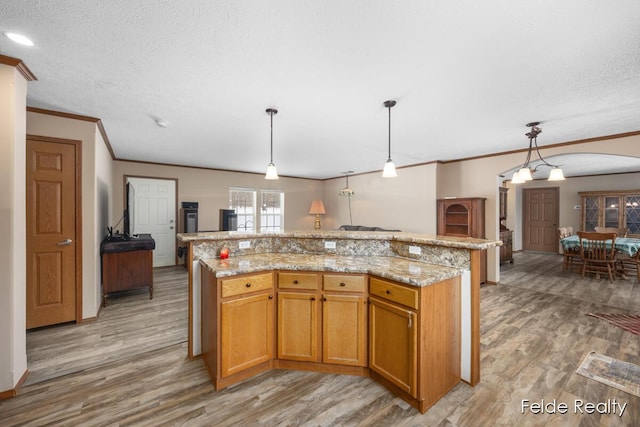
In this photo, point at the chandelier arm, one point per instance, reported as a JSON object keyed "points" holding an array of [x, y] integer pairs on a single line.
{"points": [[540, 156]]}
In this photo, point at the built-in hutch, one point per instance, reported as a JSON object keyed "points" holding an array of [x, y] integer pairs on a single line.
{"points": [[618, 209], [506, 235], [464, 217]]}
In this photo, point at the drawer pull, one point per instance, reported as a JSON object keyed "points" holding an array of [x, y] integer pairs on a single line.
{"points": [[388, 292], [295, 282], [313, 298], [343, 284], [248, 285]]}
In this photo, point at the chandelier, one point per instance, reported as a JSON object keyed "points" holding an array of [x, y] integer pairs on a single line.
{"points": [[526, 171]]}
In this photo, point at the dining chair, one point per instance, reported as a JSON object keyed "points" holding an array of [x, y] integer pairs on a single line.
{"points": [[598, 253], [571, 257], [630, 263], [621, 232]]}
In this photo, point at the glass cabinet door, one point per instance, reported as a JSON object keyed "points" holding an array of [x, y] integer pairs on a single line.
{"points": [[632, 214], [612, 212], [591, 211]]}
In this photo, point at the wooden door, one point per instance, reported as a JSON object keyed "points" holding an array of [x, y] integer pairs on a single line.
{"points": [[343, 329], [298, 326], [246, 333], [393, 341], [155, 214], [53, 222], [540, 220]]}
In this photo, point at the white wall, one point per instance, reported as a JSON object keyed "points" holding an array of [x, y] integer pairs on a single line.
{"points": [[480, 178], [210, 188], [13, 351], [407, 202]]}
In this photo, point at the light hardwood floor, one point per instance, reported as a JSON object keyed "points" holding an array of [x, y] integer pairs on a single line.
{"points": [[130, 367]]}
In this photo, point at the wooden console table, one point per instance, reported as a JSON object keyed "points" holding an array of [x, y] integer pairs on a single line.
{"points": [[127, 264]]}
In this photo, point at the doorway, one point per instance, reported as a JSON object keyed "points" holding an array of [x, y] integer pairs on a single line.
{"points": [[540, 213], [53, 231], [155, 214]]}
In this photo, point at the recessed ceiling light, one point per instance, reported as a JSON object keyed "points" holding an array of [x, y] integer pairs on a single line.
{"points": [[19, 38]]}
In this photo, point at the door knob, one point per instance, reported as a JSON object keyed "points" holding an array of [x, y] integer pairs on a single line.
{"points": [[66, 242]]}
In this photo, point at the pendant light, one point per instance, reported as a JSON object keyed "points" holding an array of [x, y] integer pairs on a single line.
{"points": [[347, 191], [526, 172], [389, 170], [272, 172]]}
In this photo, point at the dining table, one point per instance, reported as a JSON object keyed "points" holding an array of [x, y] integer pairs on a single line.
{"points": [[627, 245]]}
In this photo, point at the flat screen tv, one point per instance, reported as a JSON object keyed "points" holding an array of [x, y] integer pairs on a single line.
{"points": [[129, 212]]}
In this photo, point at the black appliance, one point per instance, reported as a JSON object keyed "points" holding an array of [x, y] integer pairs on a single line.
{"points": [[228, 220], [189, 217]]}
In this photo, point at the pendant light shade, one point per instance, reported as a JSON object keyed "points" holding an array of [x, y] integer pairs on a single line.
{"points": [[272, 172], [526, 172], [389, 170]]}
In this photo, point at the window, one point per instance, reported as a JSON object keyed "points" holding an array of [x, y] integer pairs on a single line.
{"points": [[271, 213], [243, 201], [271, 210]]}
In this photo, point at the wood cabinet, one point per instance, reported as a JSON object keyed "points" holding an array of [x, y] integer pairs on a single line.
{"points": [[321, 318], [408, 339], [238, 327], [464, 217], [422, 327], [617, 209], [344, 319], [298, 321], [506, 250], [127, 264]]}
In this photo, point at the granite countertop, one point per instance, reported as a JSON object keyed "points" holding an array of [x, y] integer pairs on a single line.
{"points": [[411, 272], [429, 239]]}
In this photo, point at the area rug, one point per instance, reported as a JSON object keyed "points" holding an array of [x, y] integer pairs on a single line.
{"points": [[628, 322], [615, 373]]}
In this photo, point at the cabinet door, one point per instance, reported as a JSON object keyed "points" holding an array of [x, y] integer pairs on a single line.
{"points": [[343, 329], [393, 344], [247, 337], [298, 326]]}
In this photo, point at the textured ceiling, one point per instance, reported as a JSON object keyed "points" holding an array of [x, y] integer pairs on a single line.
{"points": [[467, 76]]}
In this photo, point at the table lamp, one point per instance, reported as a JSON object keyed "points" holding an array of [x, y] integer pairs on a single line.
{"points": [[317, 209]]}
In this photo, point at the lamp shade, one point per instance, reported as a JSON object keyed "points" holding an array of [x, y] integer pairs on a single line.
{"points": [[525, 174], [272, 172], [389, 170], [317, 208], [556, 175], [516, 179]]}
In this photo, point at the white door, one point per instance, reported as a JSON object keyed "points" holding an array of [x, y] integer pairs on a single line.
{"points": [[155, 214]]}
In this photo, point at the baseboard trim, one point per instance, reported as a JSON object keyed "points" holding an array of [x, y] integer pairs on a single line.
{"points": [[8, 394]]}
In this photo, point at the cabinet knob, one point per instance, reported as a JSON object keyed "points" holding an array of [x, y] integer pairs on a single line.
{"points": [[343, 284], [270, 296], [324, 298], [388, 292], [248, 285], [295, 282], [313, 298]]}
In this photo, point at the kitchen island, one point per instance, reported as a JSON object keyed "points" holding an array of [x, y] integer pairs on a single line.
{"points": [[381, 253]]}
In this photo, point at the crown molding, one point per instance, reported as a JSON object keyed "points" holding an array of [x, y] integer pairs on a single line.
{"points": [[95, 120], [19, 65]]}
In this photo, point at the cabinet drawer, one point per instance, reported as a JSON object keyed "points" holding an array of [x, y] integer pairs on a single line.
{"points": [[298, 280], [338, 282], [244, 285], [392, 292]]}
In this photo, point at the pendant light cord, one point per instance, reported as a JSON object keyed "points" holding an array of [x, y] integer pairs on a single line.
{"points": [[271, 114], [389, 108]]}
